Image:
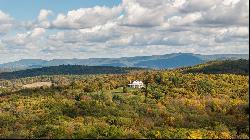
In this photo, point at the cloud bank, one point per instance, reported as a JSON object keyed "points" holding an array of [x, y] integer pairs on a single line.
{"points": [[134, 27]]}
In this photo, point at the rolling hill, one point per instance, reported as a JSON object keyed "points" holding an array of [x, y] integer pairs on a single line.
{"points": [[174, 105], [66, 70], [240, 67]]}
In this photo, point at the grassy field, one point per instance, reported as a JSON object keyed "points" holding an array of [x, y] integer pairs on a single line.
{"points": [[38, 84]]}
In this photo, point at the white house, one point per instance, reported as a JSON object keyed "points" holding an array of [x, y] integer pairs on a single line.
{"points": [[136, 84]]}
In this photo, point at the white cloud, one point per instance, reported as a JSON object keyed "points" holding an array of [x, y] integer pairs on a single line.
{"points": [[43, 15], [197, 5], [233, 34], [37, 32], [4, 18], [185, 20], [25, 40], [135, 27], [141, 13], [86, 17], [5, 22], [222, 14], [238, 32], [136, 15]]}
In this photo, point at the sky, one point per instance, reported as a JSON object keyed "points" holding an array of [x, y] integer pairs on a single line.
{"points": [[61, 29]]}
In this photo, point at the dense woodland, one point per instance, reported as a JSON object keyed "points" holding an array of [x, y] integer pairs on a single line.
{"points": [[240, 66], [173, 104], [66, 70]]}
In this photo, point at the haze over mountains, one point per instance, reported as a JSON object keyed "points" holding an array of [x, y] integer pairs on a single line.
{"points": [[166, 61]]}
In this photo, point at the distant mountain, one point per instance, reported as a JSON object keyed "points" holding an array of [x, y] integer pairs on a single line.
{"points": [[166, 61], [24, 63], [172, 62]]}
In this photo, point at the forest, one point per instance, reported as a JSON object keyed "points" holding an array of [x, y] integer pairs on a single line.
{"points": [[185, 103], [240, 66], [66, 70]]}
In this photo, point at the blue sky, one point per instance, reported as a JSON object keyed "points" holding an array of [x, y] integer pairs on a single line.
{"points": [[28, 9], [61, 29]]}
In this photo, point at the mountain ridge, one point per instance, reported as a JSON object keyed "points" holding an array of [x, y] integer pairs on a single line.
{"points": [[166, 61]]}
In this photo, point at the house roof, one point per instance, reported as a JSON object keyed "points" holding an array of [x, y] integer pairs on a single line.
{"points": [[136, 83]]}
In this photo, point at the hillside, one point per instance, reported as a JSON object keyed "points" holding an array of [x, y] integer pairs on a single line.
{"points": [[166, 61], [66, 70], [240, 66], [174, 105]]}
